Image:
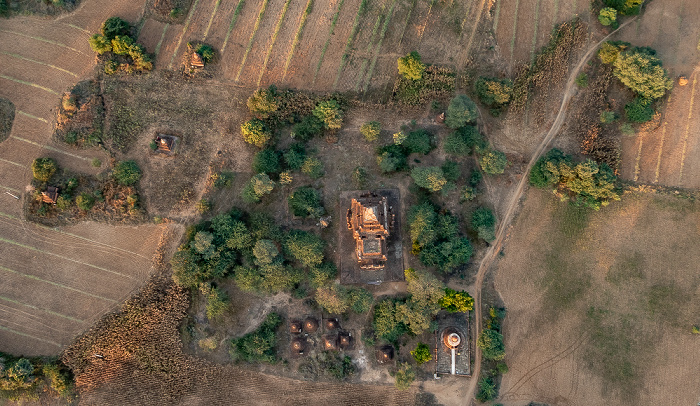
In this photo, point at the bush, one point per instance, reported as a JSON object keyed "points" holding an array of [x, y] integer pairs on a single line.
{"points": [[217, 303], [451, 171], [295, 156], [484, 222], [258, 346], [582, 80], [461, 112], [607, 117], [203, 206], [306, 202], [455, 301], [266, 161], [305, 247], [85, 201], [126, 173], [263, 102], [493, 162], [371, 130], [115, 26], [258, 186], [467, 194], [205, 51], [100, 44], [494, 92], [43, 169], [608, 52], [404, 376], [411, 67], [309, 127], [359, 177], [418, 142], [641, 71], [430, 178], [360, 300], [329, 113], [391, 158], [422, 354], [491, 344], [223, 179], [608, 16], [313, 168], [502, 368], [487, 390], [639, 110], [334, 299], [255, 132]]}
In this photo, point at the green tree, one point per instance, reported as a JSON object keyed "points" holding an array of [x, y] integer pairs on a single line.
{"points": [[455, 301], [100, 44], [391, 158], [43, 169], [404, 377], [121, 44], [487, 390], [305, 247], [263, 102], [493, 162], [370, 130], [418, 142], [255, 132], [323, 274], [641, 71], [411, 67], [608, 16], [258, 346], [360, 300], [484, 221], [639, 110], [312, 167], [205, 51], [461, 111], [295, 156], [429, 177], [258, 186], [309, 127], [422, 354], [422, 221], [306, 202], [266, 161], [334, 298], [608, 52], [265, 252], [329, 113], [126, 173], [491, 344], [114, 26], [17, 376], [494, 92], [385, 322], [217, 303], [85, 201]]}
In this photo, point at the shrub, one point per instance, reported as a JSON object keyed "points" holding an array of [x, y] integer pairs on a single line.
{"points": [[306, 202], [313, 168], [641, 71], [607, 117], [696, 330], [309, 127], [255, 132], [431, 178], [126, 173], [43, 169], [404, 376], [100, 44], [223, 179], [502, 368], [627, 129], [467, 194], [491, 344], [608, 52], [484, 222], [411, 67], [85, 201], [115, 26], [286, 178], [422, 354], [205, 51], [334, 299], [451, 171], [203, 206], [263, 102], [295, 156], [582, 80], [360, 300], [455, 301], [639, 110], [266, 161], [494, 92], [359, 177], [608, 16], [493, 162], [217, 303], [370, 130], [329, 113], [487, 390], [461, 112], [258, 186], [258, 346], [305, 247], [418, 142]]}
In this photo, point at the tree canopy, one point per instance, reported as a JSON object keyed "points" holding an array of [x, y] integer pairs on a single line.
{"points": [[461, 111], [411, 67], [641, 71], [43, 169]]}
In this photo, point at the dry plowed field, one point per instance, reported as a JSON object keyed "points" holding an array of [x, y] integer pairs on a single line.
{"points": [[670, 154]]}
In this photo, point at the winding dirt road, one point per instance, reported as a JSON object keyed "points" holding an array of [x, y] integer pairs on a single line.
{"points": [[495, 248]]}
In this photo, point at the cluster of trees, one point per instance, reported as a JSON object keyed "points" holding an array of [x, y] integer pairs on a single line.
{"points": [[587, 183], [490, 341], [641, 71], [120, 47], [494, 93], [394, 157], [22, 379], [338, 299], [436, 239], [394, 317], [418, 83], [625, 7], [259, 345]]}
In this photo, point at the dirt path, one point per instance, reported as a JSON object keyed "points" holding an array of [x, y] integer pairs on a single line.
{"points": [[507, 217]]}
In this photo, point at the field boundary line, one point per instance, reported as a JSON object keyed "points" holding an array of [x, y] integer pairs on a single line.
{"points": [[162, 36], [23, 82], [48, 41], [60, 285], [50, 148], [29, 247], [470, 3], [211, 19], [687, 126], [30, 336], [515, 31], [51, 312], [534, 35], [236, 13], [278, 27], [425, 23], [378, 47], [497, 15], [14, 163], [471, 36], [405, 25], [261, 14], [78, 28], [369, 49], [328, 40], [182, 34], [349, 41], [638, 158], [297, 36], [11, 189], [22, 113], [661, 148], [38, 62], [29, 321]]}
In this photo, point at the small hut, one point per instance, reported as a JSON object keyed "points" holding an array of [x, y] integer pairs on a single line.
{"points": [[331, 324], [295, 327], [310, 325], [440, 118], [196, 62], [385, 354], [297, 346], [345, 341], [165, 143], [330, 342], [682, 81], [50, 195]]}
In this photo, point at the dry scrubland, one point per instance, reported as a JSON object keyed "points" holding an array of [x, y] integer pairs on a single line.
{"points": [[601, 304]]}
